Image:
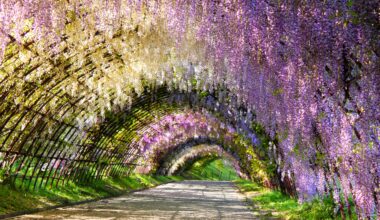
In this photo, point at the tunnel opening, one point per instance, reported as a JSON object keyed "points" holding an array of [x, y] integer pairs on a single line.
{"points": [[180, 159], [209, 167]]}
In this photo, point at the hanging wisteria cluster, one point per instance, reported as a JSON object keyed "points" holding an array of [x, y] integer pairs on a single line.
{"points": [[309, 70]]}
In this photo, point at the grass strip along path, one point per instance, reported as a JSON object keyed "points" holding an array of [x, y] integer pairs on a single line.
{"points": [[273, 204], [14, 200]]}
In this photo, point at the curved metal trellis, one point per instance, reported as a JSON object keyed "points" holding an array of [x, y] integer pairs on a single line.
{"points": [[42, 146], [46, 162]]}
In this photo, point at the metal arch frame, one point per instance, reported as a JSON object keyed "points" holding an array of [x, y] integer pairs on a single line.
{"points": [[211, 109], [134, 141], [106, 145], [114, 127], [89, 175], [143, 126], [117, 156], [42, 116]]}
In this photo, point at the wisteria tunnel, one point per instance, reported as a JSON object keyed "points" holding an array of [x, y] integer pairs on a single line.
{"points": [[287, 91]]}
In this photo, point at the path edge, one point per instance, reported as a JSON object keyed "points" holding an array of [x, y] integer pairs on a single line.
{"points": [[32, 211]]}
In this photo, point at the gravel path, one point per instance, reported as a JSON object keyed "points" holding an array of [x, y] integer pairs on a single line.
{"points": [[181, 200]]}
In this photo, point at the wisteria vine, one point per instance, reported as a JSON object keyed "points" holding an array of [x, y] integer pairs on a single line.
{"points": [[309, 70]]}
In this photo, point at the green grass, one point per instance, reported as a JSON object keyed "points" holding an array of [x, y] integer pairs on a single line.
{"points": [[12, 200], [282, 206], [210, 169], [247, 185]]}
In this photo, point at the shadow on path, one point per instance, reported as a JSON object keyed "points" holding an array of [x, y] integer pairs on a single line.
{"points": [[189, 199]]}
